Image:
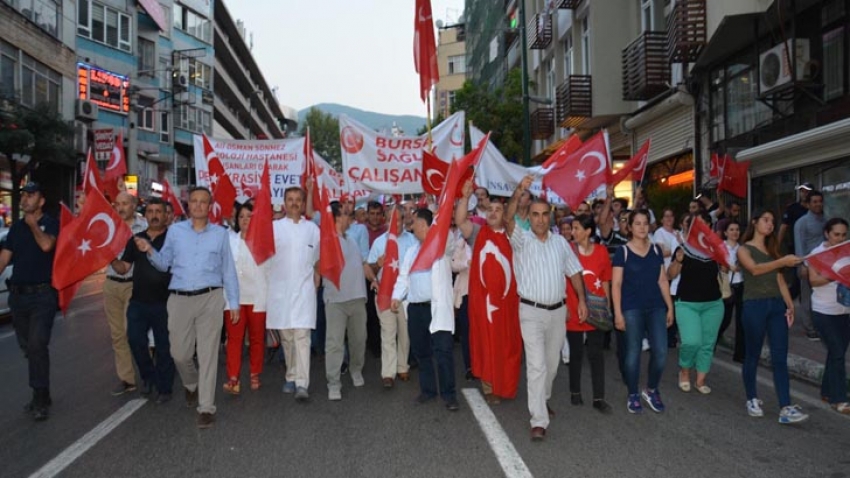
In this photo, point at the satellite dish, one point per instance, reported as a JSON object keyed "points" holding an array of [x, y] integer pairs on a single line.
{"points": [[439, 24]]}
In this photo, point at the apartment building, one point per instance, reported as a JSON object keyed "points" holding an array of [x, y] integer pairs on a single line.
{"points": [[451, 62]]}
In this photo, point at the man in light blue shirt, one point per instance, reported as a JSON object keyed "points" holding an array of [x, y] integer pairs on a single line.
{"points": [[198, 255], [808, 234]]}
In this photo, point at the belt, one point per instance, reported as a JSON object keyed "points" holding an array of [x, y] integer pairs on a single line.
{"points": [[554, 306], [30, 289], [120, 279], [192, 293], [421, 304]]}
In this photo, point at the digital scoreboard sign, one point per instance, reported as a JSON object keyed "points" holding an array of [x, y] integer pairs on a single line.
{"points": [[104, 88]]}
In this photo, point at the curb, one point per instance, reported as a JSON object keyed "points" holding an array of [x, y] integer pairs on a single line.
{"points": [[801, 368]]}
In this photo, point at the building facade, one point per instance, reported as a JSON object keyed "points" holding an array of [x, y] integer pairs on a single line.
{"points": [[451, 61]]}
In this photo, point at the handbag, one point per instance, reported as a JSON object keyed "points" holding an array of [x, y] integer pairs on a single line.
{"points": [[598, 312], [724, 280]]}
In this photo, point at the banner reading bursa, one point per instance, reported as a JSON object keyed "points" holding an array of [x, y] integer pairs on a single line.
{"points": [[243, 160], [393, 164]]}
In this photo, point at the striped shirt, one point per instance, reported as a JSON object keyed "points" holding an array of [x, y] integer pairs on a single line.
{"points": [[541, 267]]}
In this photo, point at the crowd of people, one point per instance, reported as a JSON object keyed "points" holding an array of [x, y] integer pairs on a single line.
{"points": [[517, 278]]}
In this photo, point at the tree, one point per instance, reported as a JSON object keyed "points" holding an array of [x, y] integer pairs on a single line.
{"points": [[324, 133], [498, 111], [434, 122]]}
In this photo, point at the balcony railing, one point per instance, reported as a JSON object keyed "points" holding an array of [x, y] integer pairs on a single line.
{"points": [[575, 101], [542, 123], [569, 4], [686, 31], [646, 69], [539, 31]]}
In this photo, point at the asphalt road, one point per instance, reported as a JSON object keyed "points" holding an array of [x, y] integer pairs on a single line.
{"points": [[373, 432]]}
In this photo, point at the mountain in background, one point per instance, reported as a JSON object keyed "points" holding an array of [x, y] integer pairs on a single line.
{"points": [[378, 121]]}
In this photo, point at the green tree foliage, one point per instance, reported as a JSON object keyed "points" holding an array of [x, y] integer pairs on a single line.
{"points": [[324, 134], [498, 111], [434, 122]]}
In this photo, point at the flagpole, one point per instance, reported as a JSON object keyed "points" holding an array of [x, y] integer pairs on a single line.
{"points": [[428, 119]]}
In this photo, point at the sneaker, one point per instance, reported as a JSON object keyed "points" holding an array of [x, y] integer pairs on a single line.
{"points": [[754, 408], [334, 394], [792, 414], [812, 335], [357, 379], [653, 399], [633, 403], [122, 388], [289, 387], [301, 394], [644, 346]]}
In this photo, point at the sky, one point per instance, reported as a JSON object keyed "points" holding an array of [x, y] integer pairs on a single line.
{"points": [[357, 53]]}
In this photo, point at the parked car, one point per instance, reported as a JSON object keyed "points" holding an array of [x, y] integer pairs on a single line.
{"points": [[5, 312]]}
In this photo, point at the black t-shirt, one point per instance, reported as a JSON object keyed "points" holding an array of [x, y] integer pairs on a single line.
{"points": [[149, 284], [698, 281], [792, 213], [32, 265]]}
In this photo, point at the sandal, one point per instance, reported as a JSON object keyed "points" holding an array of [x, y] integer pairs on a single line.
{"points": [[842, 408], [232, 387], [255, 381], [703, 389], [684, 385]]}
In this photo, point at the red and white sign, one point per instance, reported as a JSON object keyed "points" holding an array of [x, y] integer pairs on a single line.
{"points": [[393, 165], [243, 161], [104, 142]]}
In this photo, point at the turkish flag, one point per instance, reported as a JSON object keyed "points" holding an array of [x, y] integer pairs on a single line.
{"points": [[389, 272], [635, 167], [425, 48], [495, 340], [703, 239], [331, 260], [91, 175], [113, 176], [833, 263], [67, 294], [311, 171], [168, 195], [575, 175], [571, 146], [733, 177], [223, 191], [260, 237], [434, 244], [89, 242], [434, 175], [716, 165]]}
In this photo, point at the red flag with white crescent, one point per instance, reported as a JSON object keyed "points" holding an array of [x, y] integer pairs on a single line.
{"points": [[331, 259], [634, 167], [495, 340], [223, 191], [389, 272], [703, 239], [260, 234], [434, 174], [574, 176], [113, 175], [833, 263], [169, 195], [67, 294], [425, 48], [733, 177], [91, 241], [91, 175]]}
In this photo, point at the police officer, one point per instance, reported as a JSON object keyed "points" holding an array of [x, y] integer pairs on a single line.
{"points": [[30, 246]]}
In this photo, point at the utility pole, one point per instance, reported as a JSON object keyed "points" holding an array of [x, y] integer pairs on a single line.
{"points": [[132, 140], [526, 119]]}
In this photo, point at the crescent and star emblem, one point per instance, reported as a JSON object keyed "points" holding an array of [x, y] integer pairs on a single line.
{"points": [[453, 138], [840, 264], [597, 284], [423, 18], [85, 244], [432, 172], [701, 240], [599, 157], [491, 248], [116, 155]]}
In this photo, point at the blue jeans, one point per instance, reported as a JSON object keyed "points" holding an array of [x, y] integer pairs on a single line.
{"points": [[652, 324], [426, 347], [834, 331], [766, 316], [32, 318], [142, 316]]}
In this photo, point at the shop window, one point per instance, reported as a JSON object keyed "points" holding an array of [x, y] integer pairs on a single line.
{"points": [[833, 64]]}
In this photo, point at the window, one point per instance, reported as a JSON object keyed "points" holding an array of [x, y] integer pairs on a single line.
{"points": [[164, 73], [146, 57], [744, 112], [585, 46], [192, 23], [450, 103], [144, 118], [568, 54], [200, 74], [457, 64], [164, 133], [44, 13], [39, 84], [104, 25], [833, 64], [166, 11], [718, 108], [647, 22], [8, 68], [194, 119]]}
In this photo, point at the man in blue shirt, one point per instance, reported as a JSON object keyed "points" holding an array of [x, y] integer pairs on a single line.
{"points": [[30, 246], [808, 234], [198, 254]]}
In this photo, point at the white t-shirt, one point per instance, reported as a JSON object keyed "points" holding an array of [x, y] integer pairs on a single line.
{"points": [[825, 297]]}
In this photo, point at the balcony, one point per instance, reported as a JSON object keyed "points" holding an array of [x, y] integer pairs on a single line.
{"points": [[539, 31], [542, 123], [686, 31], [569, 4], [646, 69], [575, 101]]}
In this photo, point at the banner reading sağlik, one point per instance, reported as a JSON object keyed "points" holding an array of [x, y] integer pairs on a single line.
{"points": [[393, 165], [243, 160]]}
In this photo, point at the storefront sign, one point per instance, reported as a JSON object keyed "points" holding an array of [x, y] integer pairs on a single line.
{"points": [[104, 141], [106, 89]]}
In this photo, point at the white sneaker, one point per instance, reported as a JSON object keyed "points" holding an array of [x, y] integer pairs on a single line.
{"points": [[792, 414], [357, 379], [334, 394], [645, 345], [754, 408]]}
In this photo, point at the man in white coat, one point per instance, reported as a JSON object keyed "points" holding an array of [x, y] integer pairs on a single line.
{"points": [[293, 277], [430, 316]]}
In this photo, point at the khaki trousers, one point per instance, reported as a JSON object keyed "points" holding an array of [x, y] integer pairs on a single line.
{"points": [[296, 350], [395, 342], [543, 335], [194, 325], [342, 317], [116, 298]]}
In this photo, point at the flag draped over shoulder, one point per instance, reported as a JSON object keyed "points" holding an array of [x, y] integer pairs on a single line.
{"points": [[389, 272]]}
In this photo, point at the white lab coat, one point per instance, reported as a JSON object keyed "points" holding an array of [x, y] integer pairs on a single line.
{"points": [[291, 298]]}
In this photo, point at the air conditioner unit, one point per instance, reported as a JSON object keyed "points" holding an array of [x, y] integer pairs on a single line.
{"points": [[181, 80], [86, 110], [81, 137], [776, 71]]}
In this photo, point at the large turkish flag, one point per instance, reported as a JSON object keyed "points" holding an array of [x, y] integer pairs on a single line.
{"points": [[574, 176], [331, 260], [67, 294], [833, 263], [389, 272], [223, 191], [260, 234]]}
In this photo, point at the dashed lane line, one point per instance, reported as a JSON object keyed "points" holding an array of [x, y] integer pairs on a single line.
{"points": [[510, 461]]}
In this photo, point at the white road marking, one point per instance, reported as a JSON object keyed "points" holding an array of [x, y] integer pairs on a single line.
{"points": [[90, 439], [7, 335], [800, 396], [512, 464]]}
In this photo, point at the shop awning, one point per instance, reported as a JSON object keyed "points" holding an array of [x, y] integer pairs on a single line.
{"points": [[154, 10], [734, 33]]}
